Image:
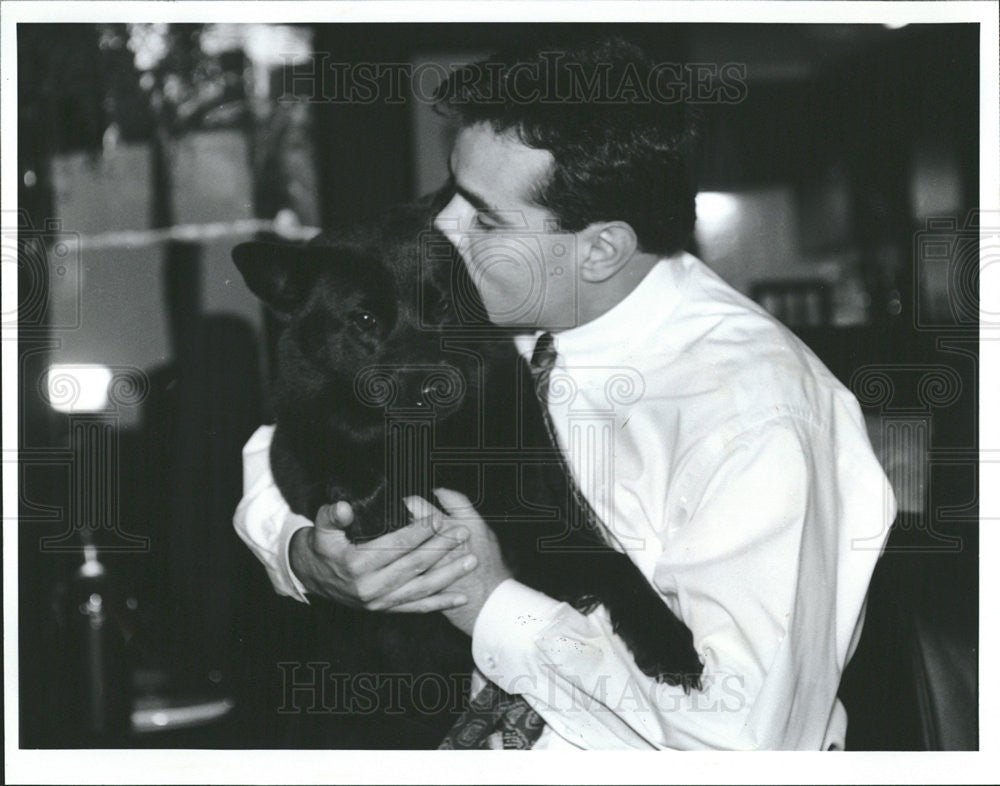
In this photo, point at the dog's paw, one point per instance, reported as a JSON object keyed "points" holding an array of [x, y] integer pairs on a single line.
{"points": [[661, 644], [677, 665], [584, 603]]}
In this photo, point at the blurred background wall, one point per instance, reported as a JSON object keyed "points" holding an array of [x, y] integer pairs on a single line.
{"points": [[146, 151]]}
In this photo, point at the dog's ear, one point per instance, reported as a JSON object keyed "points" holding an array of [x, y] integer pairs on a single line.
{"points": [[280, 275]]}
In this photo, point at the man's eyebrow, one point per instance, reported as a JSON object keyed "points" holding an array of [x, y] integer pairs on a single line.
{"points": [[477, 201]]}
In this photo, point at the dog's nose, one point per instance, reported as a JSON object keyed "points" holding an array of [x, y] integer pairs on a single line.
{"points": [[426, 394], [436, 389]]}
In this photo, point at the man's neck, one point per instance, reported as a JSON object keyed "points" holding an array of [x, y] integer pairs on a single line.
{"points": [[596, 299]]}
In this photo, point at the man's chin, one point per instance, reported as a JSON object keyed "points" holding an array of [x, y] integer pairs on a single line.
{"points": [[513, 324]]}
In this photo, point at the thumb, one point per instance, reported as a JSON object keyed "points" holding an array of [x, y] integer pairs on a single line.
{"points": [[334, 518], [454, 502]]}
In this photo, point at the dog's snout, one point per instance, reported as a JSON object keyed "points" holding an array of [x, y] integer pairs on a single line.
{"points": [[428, 390], [438, 387]]}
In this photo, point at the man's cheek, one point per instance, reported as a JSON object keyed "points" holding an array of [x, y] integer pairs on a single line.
{"points": [[468, 259], [477, 252]]}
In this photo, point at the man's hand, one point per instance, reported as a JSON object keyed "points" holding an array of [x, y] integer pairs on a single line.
{"points": [[409, 570], [478, 585]]}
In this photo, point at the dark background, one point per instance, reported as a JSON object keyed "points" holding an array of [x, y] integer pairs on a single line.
{"points": [[850, 139]]}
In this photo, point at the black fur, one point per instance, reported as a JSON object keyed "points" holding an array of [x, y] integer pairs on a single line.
{"points": [[384, 336]]}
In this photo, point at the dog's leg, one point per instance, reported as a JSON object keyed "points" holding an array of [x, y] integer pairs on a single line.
{"points": [[662, 645]]}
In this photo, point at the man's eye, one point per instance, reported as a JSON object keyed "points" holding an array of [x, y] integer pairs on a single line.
{"points": [[481, 221], [365, 320]]}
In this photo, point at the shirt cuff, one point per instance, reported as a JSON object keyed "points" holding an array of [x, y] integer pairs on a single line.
{"points": [[292, 524], [263, 519], [506, 633]]}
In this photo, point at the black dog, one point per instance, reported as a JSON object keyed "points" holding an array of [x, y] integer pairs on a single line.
{"points": [[391, 382]]}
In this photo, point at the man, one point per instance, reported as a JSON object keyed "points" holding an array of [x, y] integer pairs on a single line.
{"points": [[735, 470]]}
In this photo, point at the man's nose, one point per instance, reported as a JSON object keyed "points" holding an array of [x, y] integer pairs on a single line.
{"points": [[448, 221]]}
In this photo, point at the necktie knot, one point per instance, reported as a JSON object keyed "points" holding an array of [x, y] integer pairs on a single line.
{"points": [[542, 361], [544, 356]]}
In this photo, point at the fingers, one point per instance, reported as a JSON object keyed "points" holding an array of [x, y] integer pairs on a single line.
{"points": [[334, 517], [384, 550], [327, 540], [463, 513], [425, 585], [344, 514], [440, 602], [455, 503], [427, 555], [420, 508], [416, 575], [408, 569]]}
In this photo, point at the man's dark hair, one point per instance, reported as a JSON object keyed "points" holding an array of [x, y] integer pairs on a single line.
{"points": [[621, 151]]}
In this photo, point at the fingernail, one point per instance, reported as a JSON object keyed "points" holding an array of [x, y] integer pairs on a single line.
{"points": [[469, 562], [344, 513], [419, 507], [452, 499], [460, 534], [443, 494], [461, 600]]}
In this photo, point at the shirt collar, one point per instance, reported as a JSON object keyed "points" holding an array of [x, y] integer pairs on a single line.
{"points": [[626, 325]]}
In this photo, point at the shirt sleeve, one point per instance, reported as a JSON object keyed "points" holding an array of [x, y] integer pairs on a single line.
{"points": [[755, 560], [263, 519]]}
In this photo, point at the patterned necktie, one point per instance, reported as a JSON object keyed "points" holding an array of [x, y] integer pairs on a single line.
{"points": [[495, 720]]}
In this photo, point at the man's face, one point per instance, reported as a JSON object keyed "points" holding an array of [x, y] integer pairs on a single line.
{"points": [[524, 268]]}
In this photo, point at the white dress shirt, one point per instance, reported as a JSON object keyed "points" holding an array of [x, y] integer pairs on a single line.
{"points": [[736, 472]]}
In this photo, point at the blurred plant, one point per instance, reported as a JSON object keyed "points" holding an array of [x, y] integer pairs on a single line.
{"points": [[89, 87], [161, 75], [160, 83]]}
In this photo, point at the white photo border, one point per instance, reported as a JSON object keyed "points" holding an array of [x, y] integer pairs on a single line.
{"points": [[310, 766]]}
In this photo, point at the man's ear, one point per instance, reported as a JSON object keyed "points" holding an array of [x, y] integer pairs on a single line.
{"points": [[607, 249], [277, 274]]}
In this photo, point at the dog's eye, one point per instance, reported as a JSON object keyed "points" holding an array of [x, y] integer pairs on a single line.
{"points": [[365, 320], [437, 307]]}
